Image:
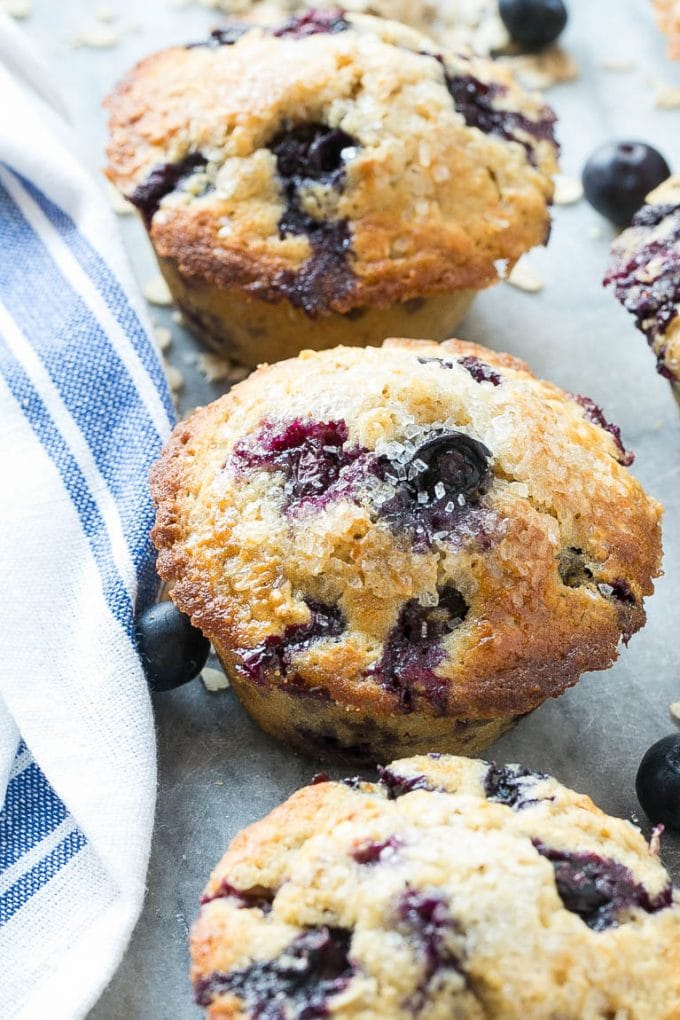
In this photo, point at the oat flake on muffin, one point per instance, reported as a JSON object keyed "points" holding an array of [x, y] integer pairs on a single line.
{"points": [[403, 548], [451, 888], [334, 179]]}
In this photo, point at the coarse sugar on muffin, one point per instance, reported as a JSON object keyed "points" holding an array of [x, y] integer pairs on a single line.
{"points": [[403, 548], [452, 888], [668, 17], [338, 178], [645, 275]]}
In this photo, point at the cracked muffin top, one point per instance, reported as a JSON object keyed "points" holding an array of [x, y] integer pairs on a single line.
{"points": [[450, 888], [645, 274], [336, 161], [414, 527]]}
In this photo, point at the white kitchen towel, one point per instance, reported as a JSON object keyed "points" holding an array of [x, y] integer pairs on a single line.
{"points": [[84, 410]]}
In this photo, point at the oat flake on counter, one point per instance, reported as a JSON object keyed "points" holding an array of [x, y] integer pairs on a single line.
{"points": [[524, 277], [156, 291]]}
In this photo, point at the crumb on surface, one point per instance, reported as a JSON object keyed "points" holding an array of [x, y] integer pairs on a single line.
{"points": [[156, 291], [163, 336], [543, 70], [18, 9], [214, 679], [666, 97], [97, 36], [568, 190], [174, 377], [120, 205], [524, 277], [617, 64], [217, 369]]}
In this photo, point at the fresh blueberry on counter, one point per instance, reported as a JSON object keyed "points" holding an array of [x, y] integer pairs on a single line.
{"points": [[533, 23], [172, 650], [657, 783], [619, 175]]}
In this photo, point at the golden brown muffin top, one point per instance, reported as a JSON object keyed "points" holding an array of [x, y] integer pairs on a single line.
{"points": [[451, 888], [417, 527], [340, 161]]}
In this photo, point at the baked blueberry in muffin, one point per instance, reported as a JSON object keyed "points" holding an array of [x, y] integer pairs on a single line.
{"points": [[335, 178], [446, 900], [403, 548], [645, 275]]}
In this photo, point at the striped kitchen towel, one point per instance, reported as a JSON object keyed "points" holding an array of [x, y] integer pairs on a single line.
{"points": [[84, 410]]}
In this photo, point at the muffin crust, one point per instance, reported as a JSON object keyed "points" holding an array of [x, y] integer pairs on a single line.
{"points": [[364, 599], [432, 171], [451, 888]]}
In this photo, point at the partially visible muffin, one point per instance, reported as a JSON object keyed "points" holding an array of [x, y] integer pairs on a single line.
{"points": [[335, 179], [668, 16], [645, 275], [459, 25], [451, 888], [402, 549]]}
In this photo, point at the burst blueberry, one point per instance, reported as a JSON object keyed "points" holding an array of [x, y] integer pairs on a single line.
{"points": [[511, 785], [162, 180], [413, 650], [475, 100], [311, 455], [426, 918], [313, 22], [275, 654], [313, 153], [313, 968], [600, 891]]}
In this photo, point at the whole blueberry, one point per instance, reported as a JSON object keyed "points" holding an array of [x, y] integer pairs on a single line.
{"points": [[533, 23], [658, 782], [454, 459], [619, 175], [172, 650]]}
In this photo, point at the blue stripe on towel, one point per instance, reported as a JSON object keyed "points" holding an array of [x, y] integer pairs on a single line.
{"points": [[31, 881], [107, 285], [119, 431], [115, 592], [32, 811]]}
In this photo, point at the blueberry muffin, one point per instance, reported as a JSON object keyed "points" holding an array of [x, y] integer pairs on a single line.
{"points": [[450, 888], [668, 16], [336, 179], [403, 548], [470, 25], [645, 275]]}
